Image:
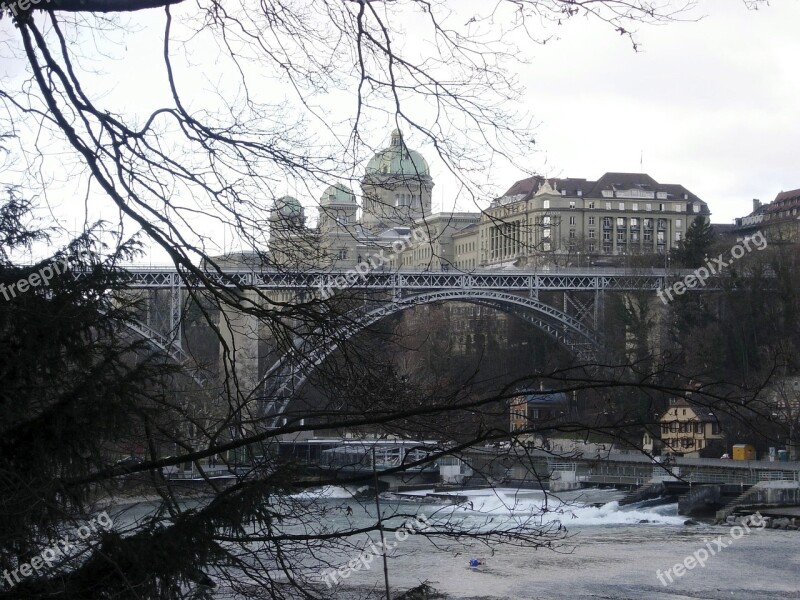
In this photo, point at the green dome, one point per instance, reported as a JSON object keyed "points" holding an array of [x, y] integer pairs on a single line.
{"points": [[288, 206], [397, 159], [338, 194]]}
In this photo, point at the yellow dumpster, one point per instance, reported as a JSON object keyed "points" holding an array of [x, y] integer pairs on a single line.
{"points": [[744, 452]]}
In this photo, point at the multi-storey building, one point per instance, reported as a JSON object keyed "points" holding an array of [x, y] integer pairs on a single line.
{"points": [[579, 222], [688, 429], [779, 220]]}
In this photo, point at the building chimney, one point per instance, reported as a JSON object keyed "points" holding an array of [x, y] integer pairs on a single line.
{"points": [[756, 204]]}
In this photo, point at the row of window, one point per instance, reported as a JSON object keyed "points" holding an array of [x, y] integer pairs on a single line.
{"points": [[608, 223], [405, 199], [622, 222], [466, 247], [634, 206], [688, 427]]}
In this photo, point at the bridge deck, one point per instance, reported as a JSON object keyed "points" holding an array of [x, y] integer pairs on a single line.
{"points": [[552, 279]]}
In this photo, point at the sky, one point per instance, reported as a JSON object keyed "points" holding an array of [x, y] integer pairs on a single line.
{"points": [[710, 103]]}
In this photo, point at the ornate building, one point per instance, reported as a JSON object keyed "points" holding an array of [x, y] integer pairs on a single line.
{"points": [[537, 222]]}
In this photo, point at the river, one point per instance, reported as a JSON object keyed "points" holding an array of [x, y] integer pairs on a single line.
{"points": [[612, 553]]}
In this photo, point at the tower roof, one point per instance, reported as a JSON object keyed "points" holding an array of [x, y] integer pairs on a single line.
{"points": [[337, 194], [288, 206], [397, 159]]}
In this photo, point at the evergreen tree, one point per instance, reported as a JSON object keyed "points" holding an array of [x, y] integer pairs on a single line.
{"points": [[693, 248]]}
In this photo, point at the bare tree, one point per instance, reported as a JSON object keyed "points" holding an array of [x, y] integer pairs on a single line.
{"points": [[194, 165]]}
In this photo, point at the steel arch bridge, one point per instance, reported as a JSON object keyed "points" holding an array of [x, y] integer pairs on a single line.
{"points": [[570, 313], [582, 290], [278, 386]]}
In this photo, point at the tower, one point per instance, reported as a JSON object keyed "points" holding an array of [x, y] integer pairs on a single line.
{"points": [[337, 225], [396, 187]]}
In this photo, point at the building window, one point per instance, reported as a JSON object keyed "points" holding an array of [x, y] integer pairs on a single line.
{"points": [[572, 234], [591, 234], [620, 236], [545, 204], [591, 220], [591, 247], [572, 220], [546, 221], [635, 206], [684, 428], [572, 204], [715, 429], [634, 223], [546, 233], [677, 236], [648, 223], [608, 205], [607, 223], [662, 223], [648, 206], [678, 223], [622, 206], [606, 236], [678, 208], [591, 203], [634, 237], [342, 254], [661, 207], [621, 222], [660, 237], [696, 208]]}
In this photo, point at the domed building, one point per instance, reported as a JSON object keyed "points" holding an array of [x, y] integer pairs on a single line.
{"points": [[287, 214], [396, 199], [396, 187]]}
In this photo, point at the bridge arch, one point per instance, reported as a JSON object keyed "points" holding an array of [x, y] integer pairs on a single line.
{"points": [[277, 387], [171, 347]]}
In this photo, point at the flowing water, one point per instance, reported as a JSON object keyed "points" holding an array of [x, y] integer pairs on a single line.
{"points": [[611, 552]]}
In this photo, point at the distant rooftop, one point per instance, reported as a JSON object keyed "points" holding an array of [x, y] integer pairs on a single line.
{"points": [[542, 397], [610, 185]]}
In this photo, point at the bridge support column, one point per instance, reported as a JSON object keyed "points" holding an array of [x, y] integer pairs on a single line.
{"points": [[176, 310], [239, 352]]}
